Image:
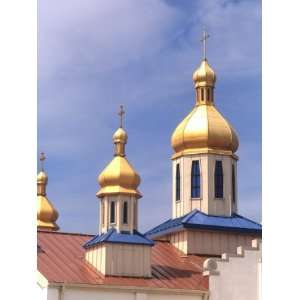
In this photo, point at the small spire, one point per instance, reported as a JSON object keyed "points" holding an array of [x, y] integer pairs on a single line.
{"points": [[121, 113], [42, 158], [204, 38]]}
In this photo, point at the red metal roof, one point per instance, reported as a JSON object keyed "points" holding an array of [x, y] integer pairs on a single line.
{"points": [[61, 260]]}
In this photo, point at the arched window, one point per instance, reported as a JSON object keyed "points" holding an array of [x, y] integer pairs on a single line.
{"points": [[195, 179], [112, 212], [233, 185], [218, 179], [208, 96], [177, 182], [125, 212]]}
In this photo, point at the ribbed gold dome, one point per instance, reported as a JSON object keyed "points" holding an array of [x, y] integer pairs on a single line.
{"points": [[119, 177], [46, 213], [204, 129], [204, 75]]}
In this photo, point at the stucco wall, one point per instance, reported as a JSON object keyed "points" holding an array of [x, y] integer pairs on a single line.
{"points": [[237, 277]]}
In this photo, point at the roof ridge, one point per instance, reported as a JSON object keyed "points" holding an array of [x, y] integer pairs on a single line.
{"points": [[189, 215], [146, 233]]}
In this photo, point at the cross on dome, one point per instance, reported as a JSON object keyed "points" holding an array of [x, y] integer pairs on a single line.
{"points": [[121, 113], [204, 38], [42, 158]]}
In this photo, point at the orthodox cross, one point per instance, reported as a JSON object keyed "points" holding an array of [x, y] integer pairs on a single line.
{"points": [[204, 38], [42, 158], [121, 114]]}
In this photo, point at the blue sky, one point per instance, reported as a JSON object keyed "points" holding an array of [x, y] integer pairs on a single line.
{"points": [[95, 55]]}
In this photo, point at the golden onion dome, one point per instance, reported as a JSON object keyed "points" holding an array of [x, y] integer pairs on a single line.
{"points": [[204, 129], [204, 75], [42, 178], [120, 136], [119, 177], [46, 213]]}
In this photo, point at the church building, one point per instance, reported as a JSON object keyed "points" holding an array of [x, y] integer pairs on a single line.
{"points": [[206, 250]]}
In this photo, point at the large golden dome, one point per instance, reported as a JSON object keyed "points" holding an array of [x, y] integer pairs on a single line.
{"points": [[119, 177], [204, 129]]}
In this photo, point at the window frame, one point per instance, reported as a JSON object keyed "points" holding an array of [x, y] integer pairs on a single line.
{"points": [[219, 180], [110, 212], [233, 184], [196, 179], [125, 209], [177, 183]]}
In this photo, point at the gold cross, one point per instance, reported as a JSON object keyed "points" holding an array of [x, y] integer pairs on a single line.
{"points": [[121, 114], [204, 38], [42, 158]]}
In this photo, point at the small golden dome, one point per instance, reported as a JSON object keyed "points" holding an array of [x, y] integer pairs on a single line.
{"points": [[42, 177], [119, 177], [204, 75], [46, 213], [120, 136]]}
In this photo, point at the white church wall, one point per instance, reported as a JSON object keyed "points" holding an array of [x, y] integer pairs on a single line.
{"points": [[117, 293], [41, 292], [235, 277]]}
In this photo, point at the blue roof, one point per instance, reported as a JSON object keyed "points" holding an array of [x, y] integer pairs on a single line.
{"points": [[112, 236], [199, 220]]}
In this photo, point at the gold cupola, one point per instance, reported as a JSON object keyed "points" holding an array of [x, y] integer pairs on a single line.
{"points": [[46, 213], [119, 177], [204, 129]]}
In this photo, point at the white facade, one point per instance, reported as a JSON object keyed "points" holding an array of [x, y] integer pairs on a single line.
{"points": [[236, 277], [207, 203], [92, 292]]}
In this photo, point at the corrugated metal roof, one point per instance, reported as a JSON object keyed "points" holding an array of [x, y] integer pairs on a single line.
{"points": [[199, 220], [62, 261], [112, 236]]}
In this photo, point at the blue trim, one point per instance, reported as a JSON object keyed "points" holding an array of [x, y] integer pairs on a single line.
{"points": [[198, 220], [112, 236]]}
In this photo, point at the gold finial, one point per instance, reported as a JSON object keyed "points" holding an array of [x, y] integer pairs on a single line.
{"points": [[204, 38], [121, 113], [42, 158]]}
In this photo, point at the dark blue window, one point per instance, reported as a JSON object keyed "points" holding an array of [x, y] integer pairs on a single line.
{"points": [[125, 212], [195, 179], [177, 182], [218, 179], [233, 185], [112, 212]]}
